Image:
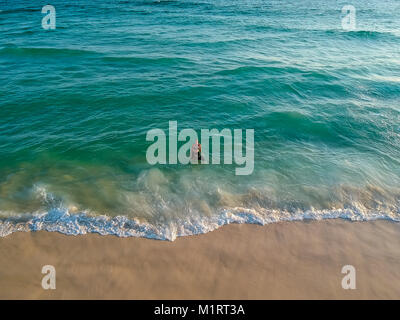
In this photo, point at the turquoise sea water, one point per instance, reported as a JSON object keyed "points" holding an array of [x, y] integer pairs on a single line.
{"points": [[76, 104]]}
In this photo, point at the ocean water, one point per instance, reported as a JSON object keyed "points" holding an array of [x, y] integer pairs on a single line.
{"points": [[76, 104]]}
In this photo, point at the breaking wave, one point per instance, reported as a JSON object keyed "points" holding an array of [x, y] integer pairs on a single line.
{"points": [[61, 220]]}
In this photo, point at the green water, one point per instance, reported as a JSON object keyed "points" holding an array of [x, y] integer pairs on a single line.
{"points": [[76, 104]]}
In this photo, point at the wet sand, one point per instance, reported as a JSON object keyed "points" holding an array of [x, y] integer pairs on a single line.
{"points": [[294, 260]]}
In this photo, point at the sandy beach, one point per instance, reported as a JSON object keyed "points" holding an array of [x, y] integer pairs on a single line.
{"points": [[295, 260]]}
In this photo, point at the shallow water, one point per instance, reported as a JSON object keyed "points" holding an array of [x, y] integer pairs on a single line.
{"points": [[76, 104]]}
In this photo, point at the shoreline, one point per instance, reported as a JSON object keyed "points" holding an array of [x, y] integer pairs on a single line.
{"points": [[285, 260]]}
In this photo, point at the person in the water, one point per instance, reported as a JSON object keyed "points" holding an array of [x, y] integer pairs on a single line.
{"points": [[196, 152]]}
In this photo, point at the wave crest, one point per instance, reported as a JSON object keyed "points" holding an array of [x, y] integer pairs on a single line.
{"points": [[61, 220]]}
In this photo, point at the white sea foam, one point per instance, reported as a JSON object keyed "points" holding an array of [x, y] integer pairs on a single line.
{"points": [[61, 220]]}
